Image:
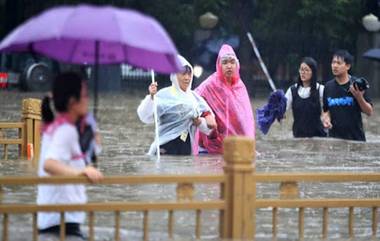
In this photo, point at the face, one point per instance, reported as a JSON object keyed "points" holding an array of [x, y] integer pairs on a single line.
{"points": [[305, 73], [184, 80], [80, 107], [229, 66], [339, 66]]}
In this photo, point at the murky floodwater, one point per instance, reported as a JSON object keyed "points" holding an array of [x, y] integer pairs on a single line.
{"points": [[125, 141]]}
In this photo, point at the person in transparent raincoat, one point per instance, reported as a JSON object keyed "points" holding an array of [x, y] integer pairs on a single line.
{"points": [[180, 112]]}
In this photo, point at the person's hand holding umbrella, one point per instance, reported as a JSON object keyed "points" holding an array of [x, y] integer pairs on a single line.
{"points": [[152, 89]]}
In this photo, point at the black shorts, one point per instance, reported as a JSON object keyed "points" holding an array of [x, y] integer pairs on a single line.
{"points": [[177, 147]]}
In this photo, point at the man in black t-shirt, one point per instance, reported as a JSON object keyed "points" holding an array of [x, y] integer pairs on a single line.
{"points": [[343, 102]]}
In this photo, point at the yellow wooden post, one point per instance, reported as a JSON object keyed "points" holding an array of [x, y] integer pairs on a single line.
{"points": [[240, 188], [31, 116]]}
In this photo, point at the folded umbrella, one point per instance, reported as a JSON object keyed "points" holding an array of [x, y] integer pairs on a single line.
{"points": [[276, 106], [273, 110]]}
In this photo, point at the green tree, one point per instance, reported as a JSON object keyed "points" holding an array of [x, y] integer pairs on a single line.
{"points": [[288, 30]]}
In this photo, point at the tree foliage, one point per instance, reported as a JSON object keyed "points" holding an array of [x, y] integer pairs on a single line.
{"points": [[307, 27]]}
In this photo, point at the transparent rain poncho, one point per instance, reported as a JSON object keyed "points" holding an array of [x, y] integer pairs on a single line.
{"points": [[176, 110]]}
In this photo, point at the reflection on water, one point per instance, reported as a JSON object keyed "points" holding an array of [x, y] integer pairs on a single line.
{"points": [[125, 141]]}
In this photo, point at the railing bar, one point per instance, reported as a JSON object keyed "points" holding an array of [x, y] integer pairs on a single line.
{"points": [[11, 125], [146, 226], [198, 224], [144, 179], [375, 220], [91, 221], [351, 222], [62, 228], [274, 222], [35, 229], [36, 142], [221, 212], [5, 227], [16, 141], [22, 145], [141, 179], [113, 206], [325, 222], [117, 225], [316, 177], [301, 223], [170, 224], [316, 203], [5, 151]]}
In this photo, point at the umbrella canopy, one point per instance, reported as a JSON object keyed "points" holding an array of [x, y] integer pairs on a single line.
{"points": [[87, 34], [373, 54], [71, 33]]}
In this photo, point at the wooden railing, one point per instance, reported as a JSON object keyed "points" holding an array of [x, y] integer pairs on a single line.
{"points": [[237, 203], [29, 131], [184, 201], [20, 140], [291, 179]]}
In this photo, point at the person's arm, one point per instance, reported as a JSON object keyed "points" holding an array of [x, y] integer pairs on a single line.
{"points": [[57, 168], [325, 115], [359, 96], [289, 98], [145, 110], [61, 149], [201, 123], [326, 119]]}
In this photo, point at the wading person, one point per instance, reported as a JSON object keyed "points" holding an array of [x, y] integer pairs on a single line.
{"points": [[304, 98], [344, 101], [180, 111], [61, 153], [228, 98]]}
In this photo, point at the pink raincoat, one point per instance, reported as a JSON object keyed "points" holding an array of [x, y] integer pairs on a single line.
{"points": [[230, 104]]}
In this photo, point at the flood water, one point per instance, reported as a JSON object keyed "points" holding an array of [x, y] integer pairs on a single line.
{"points": [[126, 140]]}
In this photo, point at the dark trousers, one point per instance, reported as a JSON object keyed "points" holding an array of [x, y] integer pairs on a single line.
{"points": [[71, 229], [177, 147]]}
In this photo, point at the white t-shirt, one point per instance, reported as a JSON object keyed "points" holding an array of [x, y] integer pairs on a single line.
{"points": [[303, 92], [60, 143]]}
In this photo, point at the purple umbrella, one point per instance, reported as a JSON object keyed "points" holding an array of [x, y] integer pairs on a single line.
{"points": [[86, 34]]}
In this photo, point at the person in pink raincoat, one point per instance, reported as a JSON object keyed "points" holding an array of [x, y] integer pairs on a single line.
{"points": [[227, 96]]}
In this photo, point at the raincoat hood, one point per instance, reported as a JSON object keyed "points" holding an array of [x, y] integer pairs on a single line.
{"points": [[226, 51], [174, 79]]}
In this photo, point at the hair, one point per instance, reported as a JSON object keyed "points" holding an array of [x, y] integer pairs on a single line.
{"points": [[312, 64], [345, 55], [186, 69], [65, 86]]}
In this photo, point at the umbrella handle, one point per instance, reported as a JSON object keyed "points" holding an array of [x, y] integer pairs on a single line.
{"points": [[263, 67], [155, 120]]}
